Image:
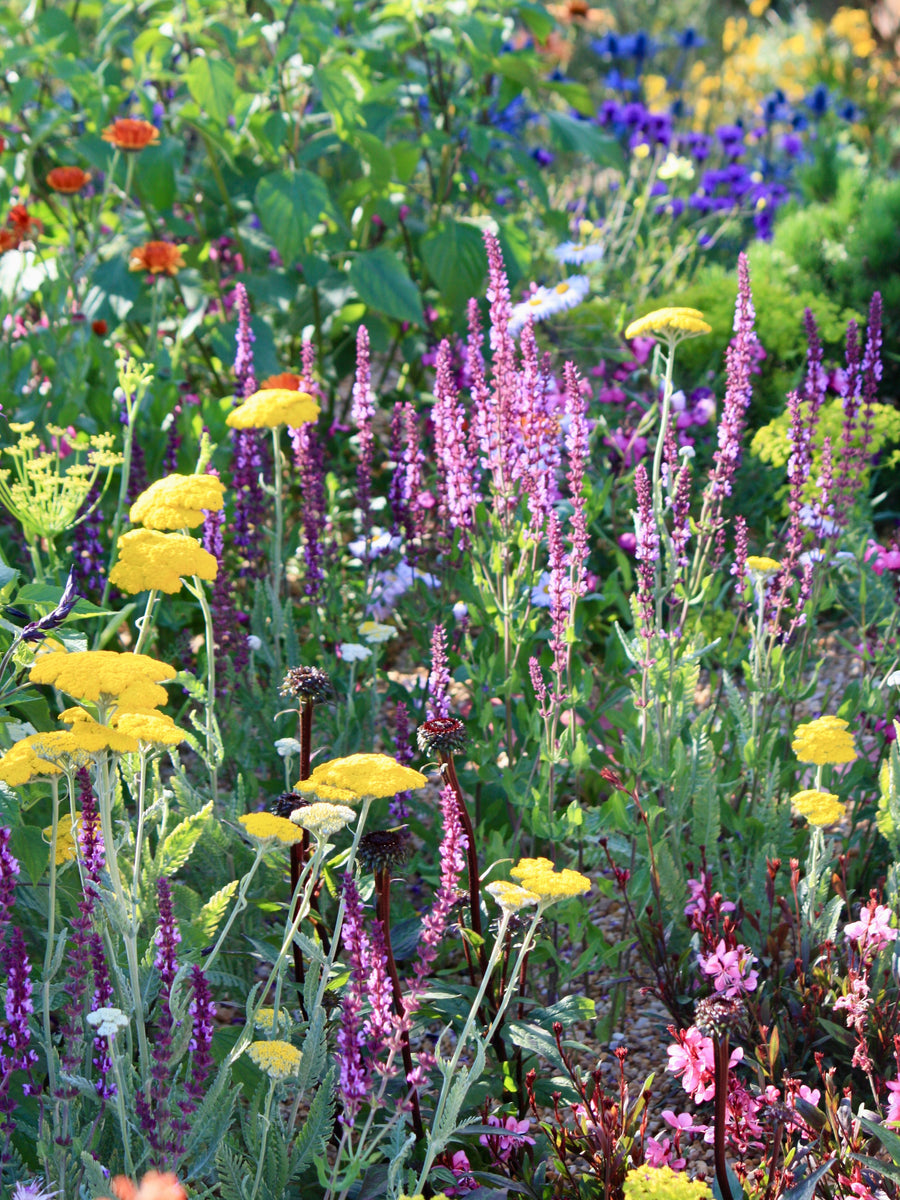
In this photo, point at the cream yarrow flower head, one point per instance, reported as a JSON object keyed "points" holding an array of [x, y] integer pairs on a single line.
{"points": [[178, 502], [107, 1021], [279, 1060], [662, 1183], [367, 775], [510, 896], [267, 827], [272, 407], [819, 808], [374, 632], [323, 819], [669, 324], [823, 741], [104, 676], [150, 559]]}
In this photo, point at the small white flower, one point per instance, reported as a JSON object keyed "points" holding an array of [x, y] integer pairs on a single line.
{"points": [[31, 1191], [808, 557], [893, 680], [287, 746], [547, 302], [540, 594], [354, 652], [253, 642], [380, 542], [676, 168], [107, 1021], [687, 452], [579, 253], [460, 611], [375, 633]]}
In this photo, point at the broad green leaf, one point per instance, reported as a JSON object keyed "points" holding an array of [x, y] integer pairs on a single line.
{"points": [[154, 173], [455, 257], [289, 203], [26, 842], [341, 90], [382, 282], [581, 137], [211, 83]]}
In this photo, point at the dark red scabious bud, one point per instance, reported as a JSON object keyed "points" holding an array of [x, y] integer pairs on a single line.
{"points": [[287, 803], [99, 327], [310, 684], [441, 735]]}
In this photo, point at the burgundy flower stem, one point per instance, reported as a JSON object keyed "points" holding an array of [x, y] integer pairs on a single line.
{"points": [[448, 771], [300, 850], [383, 912], [721, 1063]]}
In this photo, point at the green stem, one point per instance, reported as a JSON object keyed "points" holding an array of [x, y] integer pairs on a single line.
{"points": [[120, 1105], [210, 636], [146, 622], [279, 516], [266, 1123], [240, 905], [51, 937]]}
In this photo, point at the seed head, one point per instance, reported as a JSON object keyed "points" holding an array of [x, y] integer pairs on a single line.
{"points": [[716, 1018], [311, 684], [384, 849], [287, 803], [441, 735]]}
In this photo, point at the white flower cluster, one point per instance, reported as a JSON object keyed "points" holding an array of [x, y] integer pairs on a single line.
{"points": [[107, 1021], [546, 302]]}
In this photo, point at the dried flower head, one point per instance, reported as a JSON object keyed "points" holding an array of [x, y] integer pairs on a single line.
{"points": [[510, 896], [68, 180], [126, 133], [178, 502], [150, 559], [267, 827], [824, 740], [819, 808], [384, 849], [365, 775], [669, 324], [157, 258], [103, 675], [310, 684], [321, 819], [279, 1060], [272, 407], [441, 735], [715, 1017], [287, 803]]}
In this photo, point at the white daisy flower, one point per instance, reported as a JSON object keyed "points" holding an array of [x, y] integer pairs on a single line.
{"points": [[572, 291], [579, 252], [547, 302]]}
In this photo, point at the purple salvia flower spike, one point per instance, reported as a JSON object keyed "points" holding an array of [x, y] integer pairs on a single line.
{"points": [[228, 634], [439, 677], [16, 1053], [559, 607], [739, 566], [397, 486], [646, 551], [413, 491], [353, 1081], [455, 464], [362, 412], [403, 752]]}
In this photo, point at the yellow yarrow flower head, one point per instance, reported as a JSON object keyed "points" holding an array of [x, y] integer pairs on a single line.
{"points": [[510, 896], [152, 727], [21, 765], [368, 775], [267, 827], [104, 676], [669, 325], [819, 808], [178, 501], [539, 876], [150, 559], [323, 819], [824, 740], [761, 566], [325, 792], [66, 846], [272, 407], [279, 1060], [662, 1183]]}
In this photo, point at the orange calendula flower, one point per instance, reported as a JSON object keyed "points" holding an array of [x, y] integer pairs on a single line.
{"points": [[159, 258], [287, 380], [126, 133], [156, 1185], [8, 240], [68, 180]]}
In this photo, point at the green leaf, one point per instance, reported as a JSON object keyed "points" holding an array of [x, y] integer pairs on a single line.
{"points": [[341, 91], [289, 203], [154, 173], [806, 1188], [213, 910], [211, 83], [179, 845], [317, 1127], [537, 1041], [382, 282], [580, 137], [27, 844], [455, 257]]}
